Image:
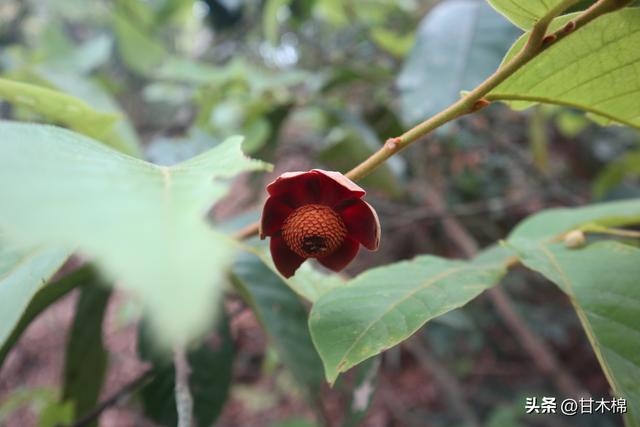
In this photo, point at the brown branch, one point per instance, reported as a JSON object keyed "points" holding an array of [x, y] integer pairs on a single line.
{"points": [[246, 232], [537, 42]]}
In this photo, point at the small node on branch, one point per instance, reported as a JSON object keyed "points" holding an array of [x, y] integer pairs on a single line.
{"points": [[547, 40], [574, 239], [392, 143], [480, 104], [570, 26]]}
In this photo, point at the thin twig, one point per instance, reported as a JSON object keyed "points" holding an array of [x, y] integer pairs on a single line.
{"points": [[472, 101], [246, 232], [537, 42], [114, 399], [184, 400]]}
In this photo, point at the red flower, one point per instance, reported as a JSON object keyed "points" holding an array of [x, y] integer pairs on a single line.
{"points": [[317, 214]]}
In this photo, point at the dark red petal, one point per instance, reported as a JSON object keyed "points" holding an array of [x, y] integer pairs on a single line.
{"points": [[316, 186], [342, 256], [286, 261], [361, 221], [354, 189], [274, 213]]}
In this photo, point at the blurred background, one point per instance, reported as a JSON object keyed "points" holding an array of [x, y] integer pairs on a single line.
{"points": [[322, 84]]}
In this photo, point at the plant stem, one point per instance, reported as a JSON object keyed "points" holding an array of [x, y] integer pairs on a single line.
{"points": [[116, 398], [469, 103], [537, 42], [184, 400], [599, 229]]}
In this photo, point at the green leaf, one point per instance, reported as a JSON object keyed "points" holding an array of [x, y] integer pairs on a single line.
{"points": [[25, 396], [58, 107], [122, 136], [142, 224], [602, 283], [39, 302], [384, 306], [593, 69], [198, 73], [333, 12], [211, 366], [83, 58], [85, 362], [23, 272], [353, 140], [308, 282], [56, 414], [615, 172], [552, 222], [505, 416], [136, 45], [348, 152], [524, 14], [283, 317], [394, 43], [458, 45], [174, 12]]}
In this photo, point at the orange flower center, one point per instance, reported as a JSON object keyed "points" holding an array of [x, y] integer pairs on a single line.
{"points": [[314, 231]]}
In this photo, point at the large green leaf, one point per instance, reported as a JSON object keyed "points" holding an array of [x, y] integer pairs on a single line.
{"points": [[384, 306], [142, 223], [524, 13], [137, 47], [283, 317], [211, 363], [58, 107], [615, 172], [552, 222], [39, 302], [85, 363], [595, 69], [310, 283], [122, 136], [459, 44], [55, 414], [22, 273], [602, 283], [65, 66], [41, 400]]}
